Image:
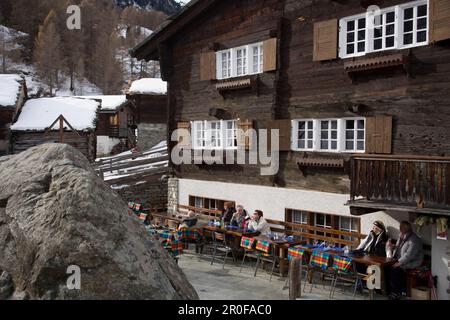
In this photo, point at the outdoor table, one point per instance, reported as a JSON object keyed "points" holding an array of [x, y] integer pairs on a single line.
{"points": [[237, 235], [165, 218], [368, 260], [282, 246]]}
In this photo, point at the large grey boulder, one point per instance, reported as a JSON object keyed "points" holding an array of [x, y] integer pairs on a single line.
{"points": [[55, 213]]}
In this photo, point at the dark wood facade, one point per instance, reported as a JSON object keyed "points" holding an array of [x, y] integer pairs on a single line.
{"points": [[120, 123], [84, 141], [150, 108], [7, 117], [307, 83]]}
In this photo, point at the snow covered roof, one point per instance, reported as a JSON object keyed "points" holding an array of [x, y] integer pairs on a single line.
{"points": [[10, 86], [39, 114], [151, 86], [109, 102]]}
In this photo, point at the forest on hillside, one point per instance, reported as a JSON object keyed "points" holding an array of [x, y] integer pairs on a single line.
{"points": [[35, 34]]}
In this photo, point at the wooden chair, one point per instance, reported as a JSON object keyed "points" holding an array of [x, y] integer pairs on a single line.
{"points": [[248, 244], [266, 253], [319, 263], [221, 245], [345, 270]]}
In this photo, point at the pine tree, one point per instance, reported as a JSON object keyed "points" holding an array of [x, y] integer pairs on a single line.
{"points": [[47, 53]]}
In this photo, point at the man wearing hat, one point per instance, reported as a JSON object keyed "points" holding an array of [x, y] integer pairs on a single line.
{"points": [[375, 242]]}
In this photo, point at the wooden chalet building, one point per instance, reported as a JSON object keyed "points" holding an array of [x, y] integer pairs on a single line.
{"points": [[116, 125], [149, 96], [57, 120], [360, 98], [13, 93]]}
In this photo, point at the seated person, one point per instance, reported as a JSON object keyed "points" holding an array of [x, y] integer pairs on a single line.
{"points": [[228, 212], [259, 224], [408, 254], [375, 242], [239, 217], [190, 221]]}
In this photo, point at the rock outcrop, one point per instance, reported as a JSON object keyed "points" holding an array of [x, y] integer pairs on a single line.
{"points": [[56, 213]]}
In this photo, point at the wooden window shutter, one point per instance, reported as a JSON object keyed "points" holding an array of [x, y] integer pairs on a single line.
{"points": [[185, 141], [208, 66], [285, 130], [325, 40], [270, 55], [379, 134], [439, 20], [244, 141]]}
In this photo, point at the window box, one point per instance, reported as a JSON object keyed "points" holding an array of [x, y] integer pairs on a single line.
{"points": [[386, 61]]}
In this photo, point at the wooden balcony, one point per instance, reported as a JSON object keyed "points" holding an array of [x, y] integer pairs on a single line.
{"points": [[418, 184]]}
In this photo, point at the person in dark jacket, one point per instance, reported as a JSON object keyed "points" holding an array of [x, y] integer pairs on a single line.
{"points": [[407, 254], [375, 242], [240, 218], [228, 212]]}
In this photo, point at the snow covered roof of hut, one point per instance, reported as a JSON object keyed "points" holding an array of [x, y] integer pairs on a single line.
{"points": [[150, 86], [112, 102], [39, 114], [10, 87]]}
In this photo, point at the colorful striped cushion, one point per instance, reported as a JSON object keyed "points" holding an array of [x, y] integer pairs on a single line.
{"points": [[263, 246], [247, 243], [295, 252], [342, 264], [320, 259], [143, 216]]}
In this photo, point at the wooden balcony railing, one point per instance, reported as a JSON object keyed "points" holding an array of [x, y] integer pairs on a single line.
{"points": [[418, 181]]}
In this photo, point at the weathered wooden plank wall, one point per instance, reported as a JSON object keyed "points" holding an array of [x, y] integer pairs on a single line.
{"points": [[85, 142], [418, 101]]}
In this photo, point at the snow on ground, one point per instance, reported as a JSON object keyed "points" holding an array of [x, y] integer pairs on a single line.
{"points": [[13, 40], [39, 114], [124, 158], [9, 89], [112, 102], [148, 86]]}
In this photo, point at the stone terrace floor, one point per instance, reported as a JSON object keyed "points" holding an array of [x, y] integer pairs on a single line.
{"points": [[215, 283]]}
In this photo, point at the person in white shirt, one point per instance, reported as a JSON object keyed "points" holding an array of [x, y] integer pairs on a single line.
{"points": [[258, 223]]}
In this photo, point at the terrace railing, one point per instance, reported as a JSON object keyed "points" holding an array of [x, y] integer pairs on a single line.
{"points": [[417, 181]]}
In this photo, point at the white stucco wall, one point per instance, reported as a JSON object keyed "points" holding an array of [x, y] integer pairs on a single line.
{"points": [[273, 201], [440, 257], [105, 145]]}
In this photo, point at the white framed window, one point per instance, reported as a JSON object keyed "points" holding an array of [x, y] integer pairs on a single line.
{"points": [[226, 64], [300, 217], [414, 24], [329, 135], [303, 134], [395, 27], [355, 135], [230, 135], [198, 202], [199, 134], [258, 58], [240, 61], [348, 224], [221, 134]]}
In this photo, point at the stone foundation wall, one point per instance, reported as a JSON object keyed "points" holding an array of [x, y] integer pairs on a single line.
{"points": [[150, 135], [153, 194]]}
